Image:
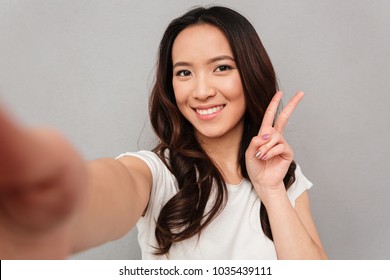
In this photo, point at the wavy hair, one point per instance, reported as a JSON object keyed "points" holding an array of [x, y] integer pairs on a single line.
{"points": [[198, 177]]}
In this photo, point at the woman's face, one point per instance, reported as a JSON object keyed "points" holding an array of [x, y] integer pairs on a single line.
{"points": [[207, 83]]}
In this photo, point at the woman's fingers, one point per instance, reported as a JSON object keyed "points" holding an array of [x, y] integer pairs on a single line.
{"points": [[270, 113], [263, 149], [29, 155], [283, 117], [256, 142], [287, 111], [282, 150], [275, 145], [14, 144]]}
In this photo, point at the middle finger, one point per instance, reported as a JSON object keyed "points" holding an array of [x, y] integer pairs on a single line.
{"points": [[287, 111]]}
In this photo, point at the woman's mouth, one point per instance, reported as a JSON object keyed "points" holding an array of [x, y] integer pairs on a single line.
{"points": [[209, 111]]}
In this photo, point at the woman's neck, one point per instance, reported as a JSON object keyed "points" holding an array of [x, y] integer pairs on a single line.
{"points": [[224, 153]]}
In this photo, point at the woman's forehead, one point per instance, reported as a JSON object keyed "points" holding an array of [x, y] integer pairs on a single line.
{"points": [[200, 41]]}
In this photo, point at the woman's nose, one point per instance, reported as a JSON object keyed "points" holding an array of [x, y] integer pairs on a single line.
{"points": [[204, 88]]}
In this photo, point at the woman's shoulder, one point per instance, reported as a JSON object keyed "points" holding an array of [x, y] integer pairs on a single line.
{"points": [[140, 154], [152, 159], [163, 179], [164, 184]]}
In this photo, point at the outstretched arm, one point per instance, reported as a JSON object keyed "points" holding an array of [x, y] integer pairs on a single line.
{"points": [[117, 195], [53, 203]]}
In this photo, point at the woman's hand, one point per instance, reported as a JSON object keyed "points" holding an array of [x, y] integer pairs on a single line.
{"points": [[269, 156], [42, 179]]}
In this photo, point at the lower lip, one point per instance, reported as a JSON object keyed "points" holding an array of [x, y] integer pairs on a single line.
{"points": [[208, 116]]}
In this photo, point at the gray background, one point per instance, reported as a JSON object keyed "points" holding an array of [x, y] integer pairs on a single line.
{"points": [[86, 68]]}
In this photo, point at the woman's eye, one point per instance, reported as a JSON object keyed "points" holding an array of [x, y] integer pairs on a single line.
{"points": [[183, 73], [223, 68]]}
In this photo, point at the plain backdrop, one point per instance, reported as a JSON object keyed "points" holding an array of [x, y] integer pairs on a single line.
{"points": [[87, 67]]}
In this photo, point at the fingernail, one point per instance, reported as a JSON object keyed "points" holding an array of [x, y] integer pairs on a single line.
{"points": [[257, 155], [265, 137], [264, 157]]}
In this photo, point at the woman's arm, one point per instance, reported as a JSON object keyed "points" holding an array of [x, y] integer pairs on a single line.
{"points": [[53, 203], [117, 195], [293, 230], [268, 158]]}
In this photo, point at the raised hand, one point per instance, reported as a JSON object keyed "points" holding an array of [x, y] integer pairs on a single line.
{"points": [[41, 181], [269, 156]]}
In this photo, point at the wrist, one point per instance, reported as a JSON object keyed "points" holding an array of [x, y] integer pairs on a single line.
{"points": [[270, 196]]}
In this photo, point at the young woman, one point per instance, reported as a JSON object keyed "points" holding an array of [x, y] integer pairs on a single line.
{"points": [[221, 184]]}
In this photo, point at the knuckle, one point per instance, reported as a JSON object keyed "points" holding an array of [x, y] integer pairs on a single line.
{"points": [[255, 141], [265, 148], [284, 115]]}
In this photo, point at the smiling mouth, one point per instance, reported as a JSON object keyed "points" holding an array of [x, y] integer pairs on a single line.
{"points": [[209, 111]]}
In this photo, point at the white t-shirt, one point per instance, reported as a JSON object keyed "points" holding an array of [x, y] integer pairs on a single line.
{"points": [[234, 234]]}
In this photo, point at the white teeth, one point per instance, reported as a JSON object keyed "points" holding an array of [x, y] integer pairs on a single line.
{"points": [[209, 111]]}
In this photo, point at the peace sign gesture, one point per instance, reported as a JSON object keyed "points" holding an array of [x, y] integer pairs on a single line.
{"points": [[269, 156]]}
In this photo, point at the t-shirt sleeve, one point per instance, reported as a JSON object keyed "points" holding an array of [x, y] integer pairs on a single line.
{"points": [[300, 185], [148, 157], [162, 180]]}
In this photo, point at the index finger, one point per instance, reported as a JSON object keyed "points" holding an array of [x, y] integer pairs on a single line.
{"points": [[269, 115], [287, 111]]}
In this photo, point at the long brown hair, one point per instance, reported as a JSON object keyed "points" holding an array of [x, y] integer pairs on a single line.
{"points": [[185, 215]]}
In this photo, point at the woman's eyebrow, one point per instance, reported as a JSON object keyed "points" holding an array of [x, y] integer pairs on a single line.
{"points": [[211, 60], [220, 57], [181, 63]]}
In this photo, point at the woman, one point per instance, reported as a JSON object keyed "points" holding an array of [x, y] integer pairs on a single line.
{"points": [[197, 195]]}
